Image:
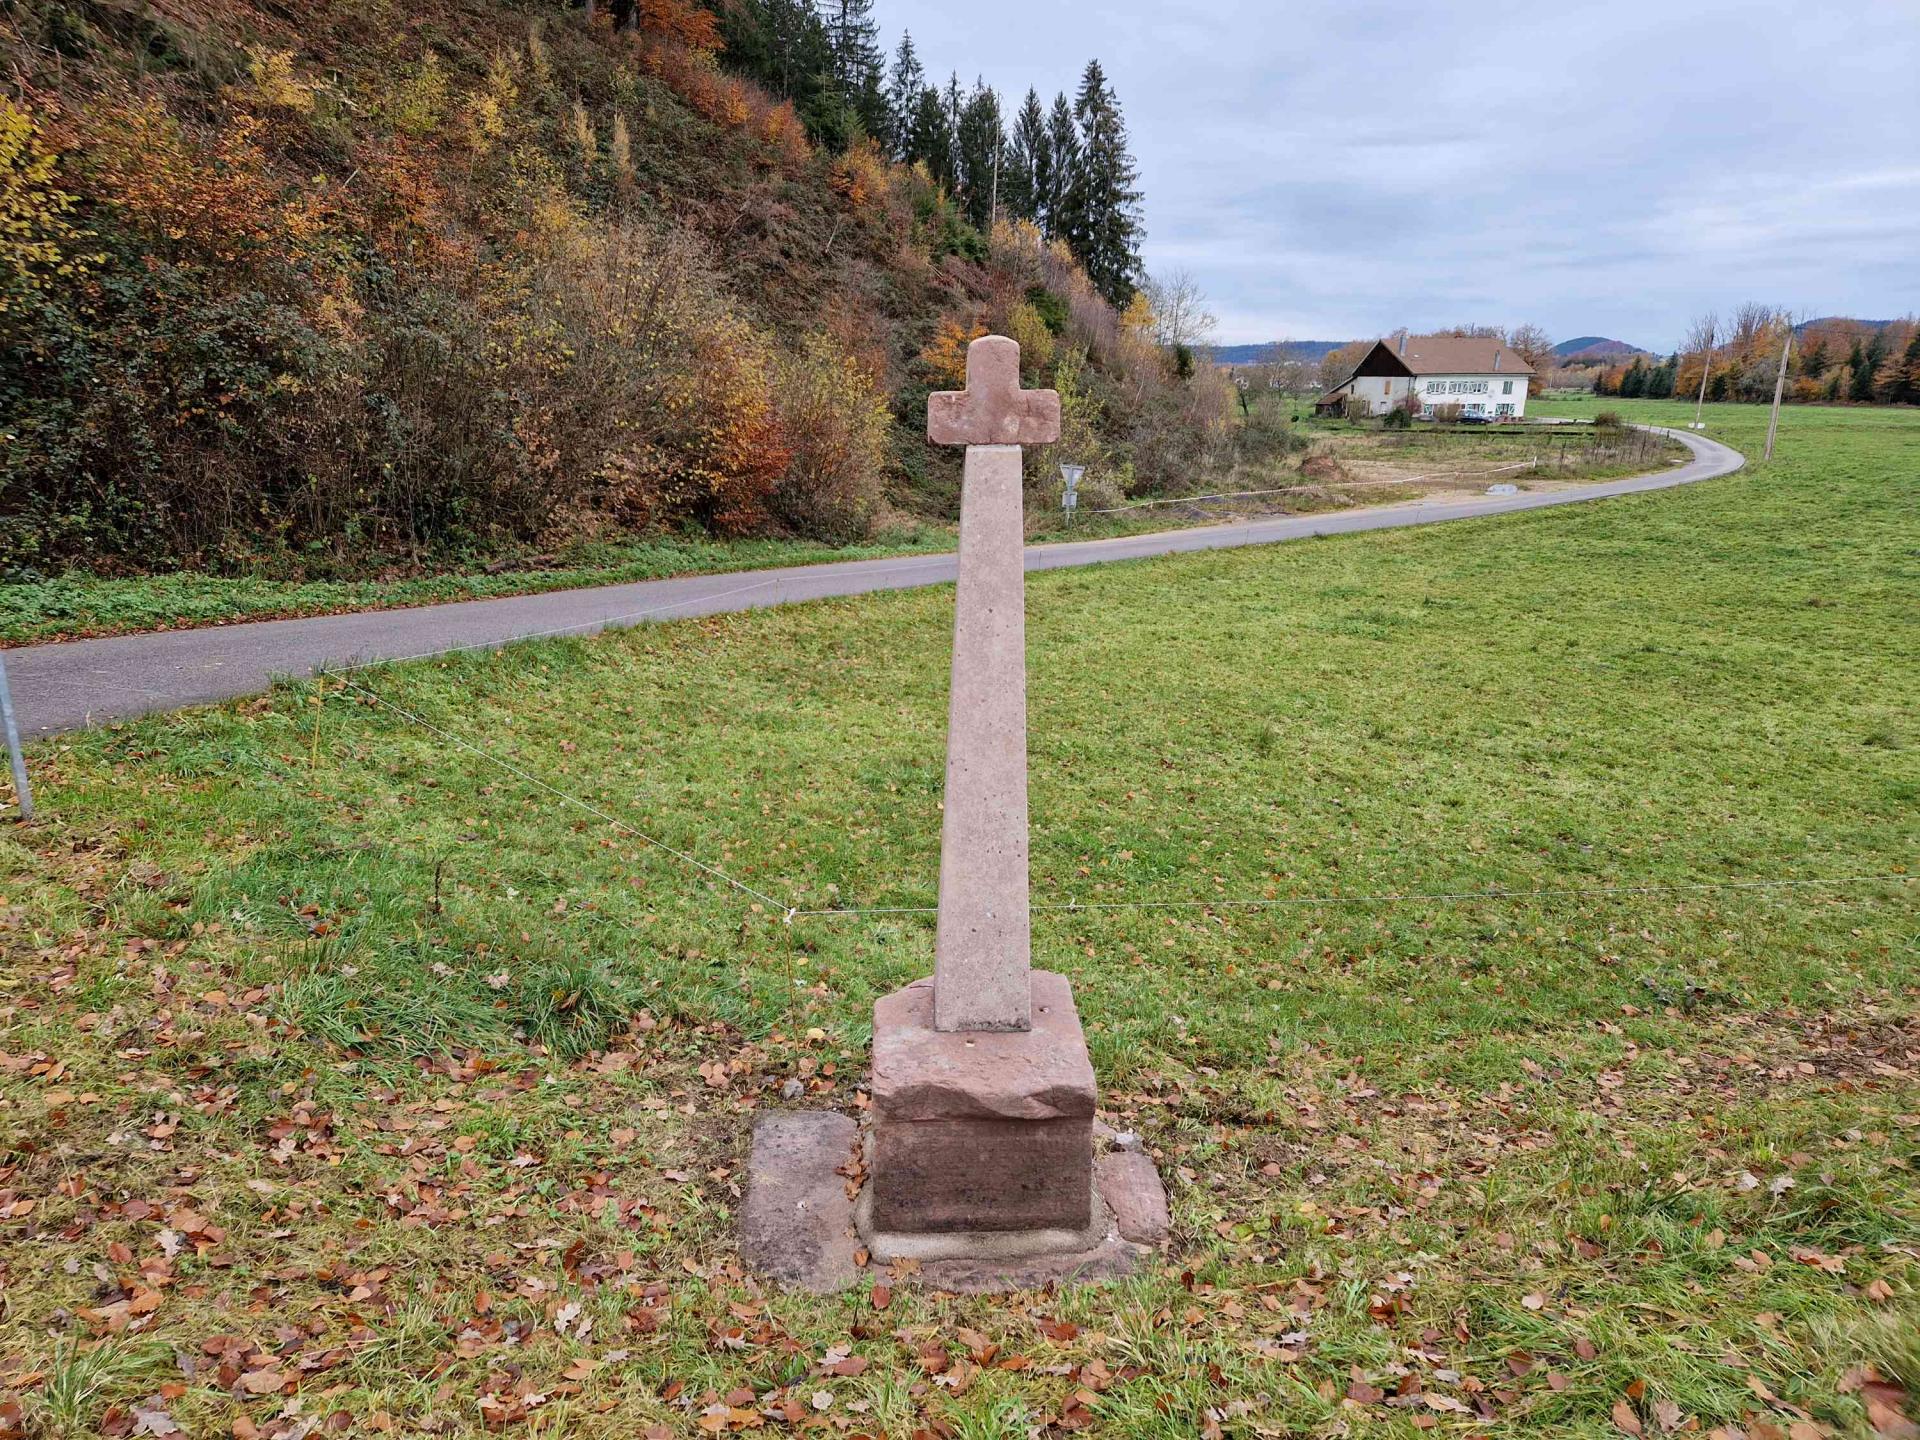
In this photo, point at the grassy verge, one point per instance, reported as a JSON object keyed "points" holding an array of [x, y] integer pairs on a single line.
{"points": [[344, 1074], [78, 604]]}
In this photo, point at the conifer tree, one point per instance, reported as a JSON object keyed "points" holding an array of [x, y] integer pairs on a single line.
{"points": [[977, 143], [1906, 384], [1102, 203], [853, 45], [1860, 368], [1866, 382], [783, 45], [904, 85], [1028, 175], [930, 137], [1063, 145]]}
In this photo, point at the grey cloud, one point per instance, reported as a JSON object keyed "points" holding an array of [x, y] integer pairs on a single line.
{"points": [[1321, 168]]}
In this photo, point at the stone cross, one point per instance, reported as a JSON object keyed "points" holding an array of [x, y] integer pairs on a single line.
{"points": [[983, 946]]}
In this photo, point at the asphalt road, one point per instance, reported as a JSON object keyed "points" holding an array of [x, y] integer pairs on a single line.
{"points": [[92, 682]]}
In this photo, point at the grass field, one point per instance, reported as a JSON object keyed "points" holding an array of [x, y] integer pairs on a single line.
{"points": [[349, 1081]]}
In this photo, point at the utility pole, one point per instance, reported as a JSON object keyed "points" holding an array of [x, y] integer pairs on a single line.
{"points": [[22, 792], [1779, 384], [1706, 364]]}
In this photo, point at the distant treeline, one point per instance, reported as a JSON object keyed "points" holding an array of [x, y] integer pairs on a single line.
{"points": [[1832, 361]]}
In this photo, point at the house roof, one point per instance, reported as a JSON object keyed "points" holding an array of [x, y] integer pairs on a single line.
{"points": [[1457, 355]]}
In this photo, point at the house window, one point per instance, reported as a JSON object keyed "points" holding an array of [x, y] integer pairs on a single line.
{"points": [[1506, 387], [1504, 411]]}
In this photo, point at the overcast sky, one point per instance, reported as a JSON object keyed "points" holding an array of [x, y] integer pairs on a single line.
{"points": [[1329, 171]]}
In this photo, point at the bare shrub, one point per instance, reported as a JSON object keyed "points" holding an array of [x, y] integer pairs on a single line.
{"points": [[835, 425]]}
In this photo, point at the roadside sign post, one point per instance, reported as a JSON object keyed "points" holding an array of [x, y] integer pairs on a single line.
{"points": [[1070, 494], [21, 791]]}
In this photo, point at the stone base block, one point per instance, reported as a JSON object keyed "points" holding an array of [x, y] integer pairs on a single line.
{"points": [[799, 1229], [981, 1132]]}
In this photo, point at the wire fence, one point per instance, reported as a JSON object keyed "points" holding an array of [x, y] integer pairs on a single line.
{"points": [[790, 912], [1316, 489]]}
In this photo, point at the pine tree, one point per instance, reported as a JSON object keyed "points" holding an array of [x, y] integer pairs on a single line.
{"points": [[904, 85], [1906, 383], [930, 137], [977, 143], [1875, 357], [1063, 145], [1103, 206], [1028, 173], [853, 45], [783, 45], [1860, 369]]}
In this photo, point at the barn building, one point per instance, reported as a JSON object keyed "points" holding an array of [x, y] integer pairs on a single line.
{"points": [[1440, 372]]}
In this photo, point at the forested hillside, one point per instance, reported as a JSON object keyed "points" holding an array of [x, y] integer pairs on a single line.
{"points": [[1832, 360], [352, 284]]}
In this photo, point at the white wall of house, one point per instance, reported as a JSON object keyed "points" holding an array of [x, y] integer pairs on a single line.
{"points": [[1488, 392]]}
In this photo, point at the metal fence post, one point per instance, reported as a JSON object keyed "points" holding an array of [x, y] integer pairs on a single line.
{"points": [[21, 791]]}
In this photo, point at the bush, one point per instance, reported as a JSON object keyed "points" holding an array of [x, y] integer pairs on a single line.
{"points": [[1051, 309], [1607, 420], [836, 430], [1264, 437], [1398, 419]]}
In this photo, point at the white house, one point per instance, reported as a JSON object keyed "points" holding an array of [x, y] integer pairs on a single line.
{"points": [[1479, 377]]}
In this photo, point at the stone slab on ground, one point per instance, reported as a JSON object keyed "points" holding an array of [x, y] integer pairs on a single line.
{"points": [[798, 1228], [1110, 1250], [1131, 1186], [797, 1225]]}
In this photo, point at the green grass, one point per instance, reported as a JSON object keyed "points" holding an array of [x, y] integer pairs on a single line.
{"points": [[78, 603], [408, 1031]]}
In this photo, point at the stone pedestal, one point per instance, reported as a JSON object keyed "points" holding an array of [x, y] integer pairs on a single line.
{"points": [[982, 1140]]}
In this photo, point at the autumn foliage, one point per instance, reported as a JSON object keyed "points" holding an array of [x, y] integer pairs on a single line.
{"points": [[323, 301]]}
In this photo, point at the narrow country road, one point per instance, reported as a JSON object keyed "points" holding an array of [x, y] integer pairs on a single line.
{"points": [[92, 682]]}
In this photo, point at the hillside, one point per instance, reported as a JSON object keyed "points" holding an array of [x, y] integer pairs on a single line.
{"points": [[1311, 351], [1593, 347], [377, 287]]}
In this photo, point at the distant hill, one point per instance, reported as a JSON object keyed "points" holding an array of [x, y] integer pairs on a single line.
{"points": [[1594, 347], [1274, 349], [1841, 322]]}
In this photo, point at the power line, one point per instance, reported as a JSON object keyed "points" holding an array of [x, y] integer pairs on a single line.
{"points": [[1396, 897], [573, 800], [1329, 485]]}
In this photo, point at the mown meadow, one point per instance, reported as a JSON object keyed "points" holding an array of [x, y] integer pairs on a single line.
{"points": [[349, 1080]]}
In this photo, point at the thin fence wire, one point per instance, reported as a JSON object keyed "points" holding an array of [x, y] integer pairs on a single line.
{"points": [[589, 808], [601, 622], [789, 912], [1327, 485], [1398, 897]]}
